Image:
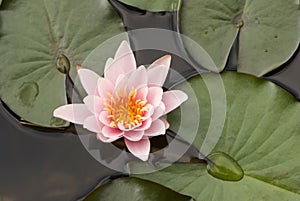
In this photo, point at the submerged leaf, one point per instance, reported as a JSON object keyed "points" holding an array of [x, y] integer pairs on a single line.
{"points": [[134, 189]]}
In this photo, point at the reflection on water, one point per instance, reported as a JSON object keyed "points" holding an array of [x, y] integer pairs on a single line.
{"points": [[43, 166]]}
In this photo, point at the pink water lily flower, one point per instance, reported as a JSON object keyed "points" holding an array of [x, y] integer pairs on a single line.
{"points": [[128, 102]]}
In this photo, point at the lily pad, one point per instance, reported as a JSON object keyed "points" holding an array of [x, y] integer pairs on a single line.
{"points": [[261, 133], [134, 189], [33, 35], [269, 31], [155, 5]]}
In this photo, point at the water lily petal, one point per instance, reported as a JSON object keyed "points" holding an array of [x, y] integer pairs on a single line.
{"points": [[102, 138], [121, 84], [75, 113], [123, 64], [134, 135], [110, 132], [164, 60], [140, 148], [92, 124], [142, 93], [167, 125], [138, 78], [172, 99], [123, 49], [158, 71], [88, 80], [159, 111], [134, 80], [145, 125], [157, 76], [94, 103], [157, 127], [108, 62], [154, 96], [120, 78], [104, 87], [150, 111], [103, 117]]}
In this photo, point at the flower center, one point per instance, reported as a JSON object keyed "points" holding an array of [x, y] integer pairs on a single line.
{"points": [[126, 112]]}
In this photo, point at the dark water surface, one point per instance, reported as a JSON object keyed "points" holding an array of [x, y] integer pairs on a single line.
{"points": [[41, 166]]}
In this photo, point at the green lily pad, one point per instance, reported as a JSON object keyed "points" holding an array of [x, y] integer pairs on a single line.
{"points": [[134, 189], [269, 31], [261, 133], [155, 5], [33, 34]]}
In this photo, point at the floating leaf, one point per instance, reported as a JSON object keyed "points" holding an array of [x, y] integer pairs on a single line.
{"points": [[33, 35], [269, 31], [261, 133], [134, 189]]}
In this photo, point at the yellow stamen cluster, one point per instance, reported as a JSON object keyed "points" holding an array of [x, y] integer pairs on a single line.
{"points": [[125, 110]]}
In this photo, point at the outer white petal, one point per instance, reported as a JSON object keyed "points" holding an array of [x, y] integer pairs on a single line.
{"points": [[123, 49], [158, 71], [154, 96], [89, 80], [157, 128], [140, 149], [75, 113], [138, 78], [172, 99], [134, 135], [164, 60], [159, 111], [94, 104], [157, 76], [92, 124], [102, 138], [112, 132], [122, 64], [108, 62], [104, 87]]}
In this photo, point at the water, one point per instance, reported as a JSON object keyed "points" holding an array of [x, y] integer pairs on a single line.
{"points": [[288, 76], [43, 166]]}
